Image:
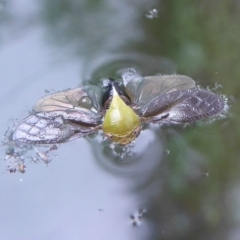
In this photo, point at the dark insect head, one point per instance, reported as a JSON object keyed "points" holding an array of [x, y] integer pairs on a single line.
{"points": [[108, 93]]}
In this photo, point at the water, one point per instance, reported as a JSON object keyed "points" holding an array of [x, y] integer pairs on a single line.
{"points": [[175, 182]]}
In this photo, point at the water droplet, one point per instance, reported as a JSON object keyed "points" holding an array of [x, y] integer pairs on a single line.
{"points": [[85, 102], [152, 14]]}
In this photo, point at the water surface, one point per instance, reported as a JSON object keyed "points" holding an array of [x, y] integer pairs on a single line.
{"points": [[178, 182]]}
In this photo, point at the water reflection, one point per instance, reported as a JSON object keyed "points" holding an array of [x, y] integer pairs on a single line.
{"points": [[104, 24], [111, 64]]}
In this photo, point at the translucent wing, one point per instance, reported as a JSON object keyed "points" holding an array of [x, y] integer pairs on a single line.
{"points": [[144, 90], [45, 128], [184, 106], [78, 99], [95, 94], [61, 117]]}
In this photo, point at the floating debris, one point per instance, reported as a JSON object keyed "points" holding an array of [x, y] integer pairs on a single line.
{"points": [[44, 155], [15, 161], [167, 152], [21, 167], [206, 174], [217, 86], [16, 154], [136, 218], [152, 14]]}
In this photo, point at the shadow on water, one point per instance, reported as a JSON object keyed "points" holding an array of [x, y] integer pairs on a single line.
{"points": [[182, 181]]}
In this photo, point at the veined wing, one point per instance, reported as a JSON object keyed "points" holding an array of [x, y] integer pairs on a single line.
{"points": [[61, 117], [144, 90], [184, 106], [79, 99], [51, 127]]}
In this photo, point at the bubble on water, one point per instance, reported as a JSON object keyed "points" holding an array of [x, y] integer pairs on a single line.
{"points": [[152, 14]]}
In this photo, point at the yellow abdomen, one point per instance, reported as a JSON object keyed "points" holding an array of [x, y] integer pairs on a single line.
{"points": [[121, 123]]}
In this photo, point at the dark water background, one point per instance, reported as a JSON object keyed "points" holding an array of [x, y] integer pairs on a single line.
{"points": [[180, 183]]}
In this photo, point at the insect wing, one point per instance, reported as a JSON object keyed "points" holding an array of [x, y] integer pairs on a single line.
{"points": [[95, 94], [184, 106], [61, 117], [144, 90], [42, 128], [73, 99]]}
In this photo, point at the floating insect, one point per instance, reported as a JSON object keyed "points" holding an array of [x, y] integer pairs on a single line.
{"points": [[118, 109]]}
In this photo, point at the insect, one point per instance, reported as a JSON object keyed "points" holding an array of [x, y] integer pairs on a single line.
{"points": [[119, 110]]}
